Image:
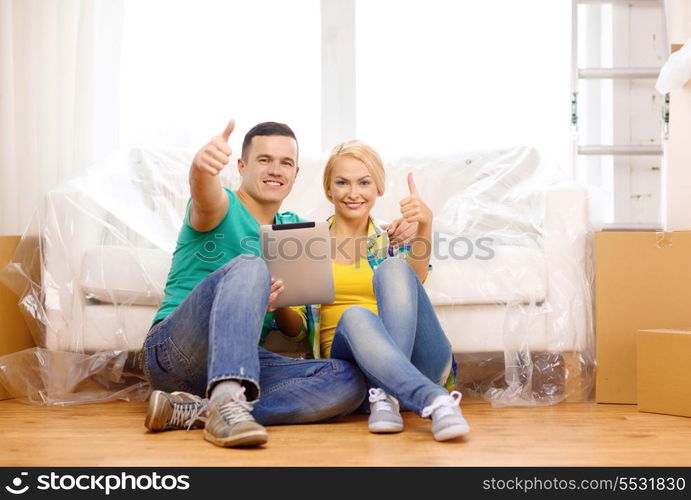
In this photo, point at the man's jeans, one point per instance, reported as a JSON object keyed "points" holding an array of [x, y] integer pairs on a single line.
{"points": [[403, 349], [212, 336]]}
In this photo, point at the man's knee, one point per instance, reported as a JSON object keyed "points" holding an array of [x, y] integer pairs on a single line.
{"points": [[253, 270]]}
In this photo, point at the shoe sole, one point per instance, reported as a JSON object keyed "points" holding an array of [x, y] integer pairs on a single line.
{"points": [[385, 427], [250, 438], [451, 432], [154, 404]]}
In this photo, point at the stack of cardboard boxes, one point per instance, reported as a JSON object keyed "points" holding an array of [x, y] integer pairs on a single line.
{"points": [[643, 280], [642, 284]]}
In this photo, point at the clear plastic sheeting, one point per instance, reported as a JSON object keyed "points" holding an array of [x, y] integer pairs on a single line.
{"points": [[90, 272], [42, 376], [511, 279]]}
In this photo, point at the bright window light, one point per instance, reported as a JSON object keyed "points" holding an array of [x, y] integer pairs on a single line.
{"points": [[188, 67], [449, 75], [432, 77]]}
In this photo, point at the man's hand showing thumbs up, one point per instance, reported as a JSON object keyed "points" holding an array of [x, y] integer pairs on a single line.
{"points": [[414, 209], [209, 200], [213, 157]]}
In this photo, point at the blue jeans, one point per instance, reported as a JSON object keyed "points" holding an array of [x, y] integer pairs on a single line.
{"points": [[403, 349], [213, 335]]}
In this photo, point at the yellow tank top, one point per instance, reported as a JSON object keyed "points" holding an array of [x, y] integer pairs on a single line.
{"points": [[352, 286]]}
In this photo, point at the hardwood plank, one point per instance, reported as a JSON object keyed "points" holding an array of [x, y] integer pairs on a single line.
{"points": [[574, 434]]}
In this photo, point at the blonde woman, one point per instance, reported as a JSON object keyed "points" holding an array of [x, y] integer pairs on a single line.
{"points": [[382, 318]]}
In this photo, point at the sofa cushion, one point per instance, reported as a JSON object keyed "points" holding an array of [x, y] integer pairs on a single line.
{"points": [[115, 327], [512, 274], [125, 275]]}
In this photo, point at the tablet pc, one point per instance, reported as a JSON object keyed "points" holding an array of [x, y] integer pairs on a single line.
{"points": [[299, 254]]}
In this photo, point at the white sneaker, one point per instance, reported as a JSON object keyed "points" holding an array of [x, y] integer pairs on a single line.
{"points": [[384, 413], [447, 419]]}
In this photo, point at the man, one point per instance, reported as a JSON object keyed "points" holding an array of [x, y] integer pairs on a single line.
{"points": [[204, 339]]}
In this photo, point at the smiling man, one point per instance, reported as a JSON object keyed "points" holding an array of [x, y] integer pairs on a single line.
{"points": [[218, 303]]}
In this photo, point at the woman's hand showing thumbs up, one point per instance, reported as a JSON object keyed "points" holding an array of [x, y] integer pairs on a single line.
{"points": [[413, 209]]}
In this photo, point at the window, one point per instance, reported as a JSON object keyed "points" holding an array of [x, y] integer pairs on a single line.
{"points": [[433, 76], [188, 67], [447, 75]]}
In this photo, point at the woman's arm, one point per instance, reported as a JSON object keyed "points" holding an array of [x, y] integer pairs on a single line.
{"points": [[289, 322], [421, 251], [414, 209]]}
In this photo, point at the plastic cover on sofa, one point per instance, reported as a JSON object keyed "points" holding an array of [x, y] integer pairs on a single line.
{"points": [[511, 279]]}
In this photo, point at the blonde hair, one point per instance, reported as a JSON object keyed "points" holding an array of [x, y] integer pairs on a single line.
{"points": [[360, 151]]}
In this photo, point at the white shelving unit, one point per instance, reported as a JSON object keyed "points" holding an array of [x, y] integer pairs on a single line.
{"points": [[617, 115]]}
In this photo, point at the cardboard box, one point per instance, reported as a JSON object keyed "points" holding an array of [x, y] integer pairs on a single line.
{"points": [[14, 333], [664, 371], [642, 281]]}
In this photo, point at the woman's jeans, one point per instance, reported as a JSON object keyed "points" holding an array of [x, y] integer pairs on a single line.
{"points": [[403, 349], [213, 335]]}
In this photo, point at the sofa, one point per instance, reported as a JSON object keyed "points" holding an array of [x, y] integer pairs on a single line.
{"points": [[510, 279]]}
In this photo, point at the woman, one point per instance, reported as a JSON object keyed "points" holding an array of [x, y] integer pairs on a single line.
{"points": [[382, 318]]}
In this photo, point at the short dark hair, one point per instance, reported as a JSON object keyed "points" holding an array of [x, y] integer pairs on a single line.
{"points": [[264, 129]]}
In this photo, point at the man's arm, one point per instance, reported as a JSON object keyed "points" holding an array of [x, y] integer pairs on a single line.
{"points": [[209, 201]]}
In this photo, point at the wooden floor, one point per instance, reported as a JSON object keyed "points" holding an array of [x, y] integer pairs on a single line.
{"points": [[568, 434]]}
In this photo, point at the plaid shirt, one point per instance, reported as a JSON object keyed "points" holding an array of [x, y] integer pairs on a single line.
{"points": [[379, 248]]}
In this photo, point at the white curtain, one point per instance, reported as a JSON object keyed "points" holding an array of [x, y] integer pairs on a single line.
{"points": [[59, 80]]}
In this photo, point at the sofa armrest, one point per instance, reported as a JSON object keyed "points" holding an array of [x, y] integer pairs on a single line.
{"points": [[72, 223], [568, 284]]}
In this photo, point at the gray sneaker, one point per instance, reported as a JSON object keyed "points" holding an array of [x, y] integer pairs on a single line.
{"points": [[178, 410], [384, 413], [447, 420], [202, 405], [231, 424]]}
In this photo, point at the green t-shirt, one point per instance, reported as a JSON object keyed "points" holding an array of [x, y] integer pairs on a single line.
{"points": [[198, 254]]}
